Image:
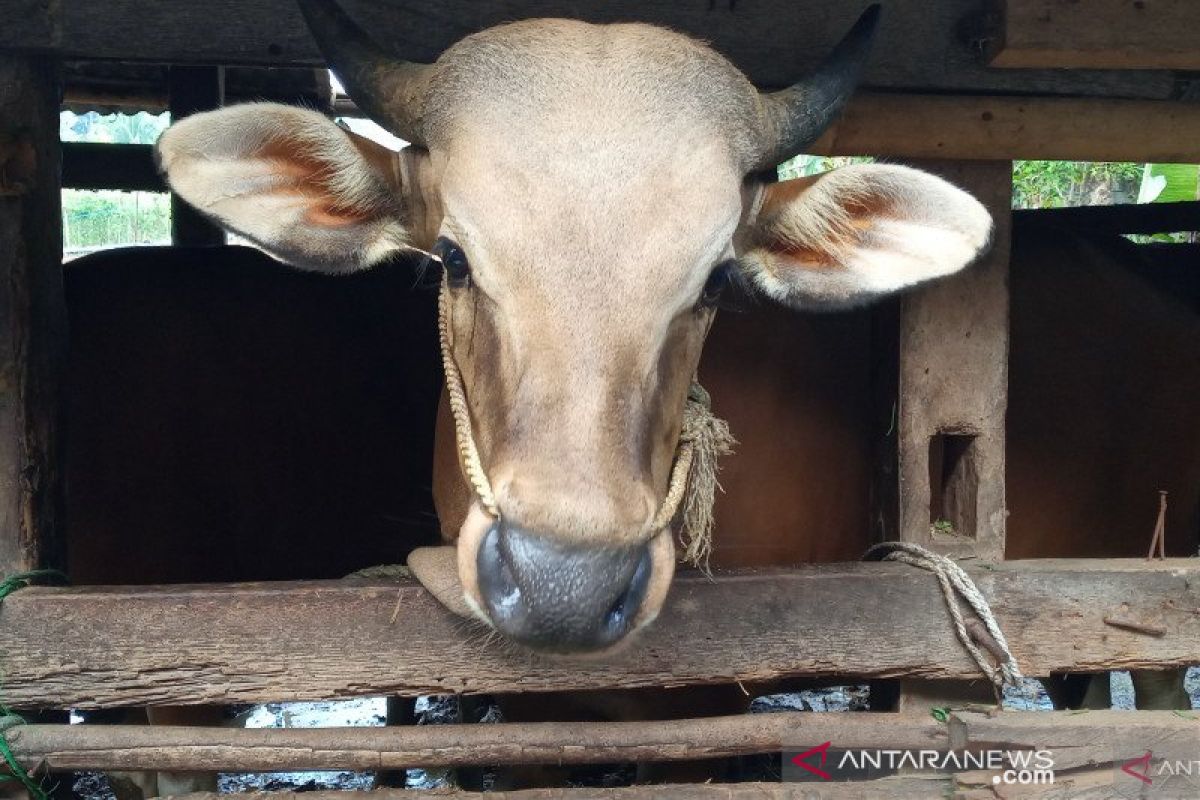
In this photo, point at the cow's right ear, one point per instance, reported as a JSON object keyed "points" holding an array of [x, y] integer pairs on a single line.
{"points": [[291, 181]]}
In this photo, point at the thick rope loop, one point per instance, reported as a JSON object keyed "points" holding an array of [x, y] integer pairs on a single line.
{"points": [[956, 583]]}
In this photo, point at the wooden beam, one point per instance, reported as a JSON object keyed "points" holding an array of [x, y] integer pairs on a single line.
{"points": [[924, 45], [32, 314], [96, 647], [1139, 218], [110, 85], [1076, 740], [191, 90], [1093, 784], [953, 389], [884, 789], [128, 167], [1009, 128], [157, 747], [1097, 34], [998, 128]]}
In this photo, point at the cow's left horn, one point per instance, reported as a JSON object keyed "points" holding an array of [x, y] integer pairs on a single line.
{"points": [[391, 91], [795, 117]]}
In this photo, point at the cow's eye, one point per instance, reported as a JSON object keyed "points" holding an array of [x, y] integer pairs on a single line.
{"points": [[454, 261], [718, 280]]}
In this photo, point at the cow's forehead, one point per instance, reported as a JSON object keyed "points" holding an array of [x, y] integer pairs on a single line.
{"points": [[594, 224], [541, 80]]}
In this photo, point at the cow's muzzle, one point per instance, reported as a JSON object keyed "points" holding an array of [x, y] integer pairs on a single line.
{"points": [[557, 596]]}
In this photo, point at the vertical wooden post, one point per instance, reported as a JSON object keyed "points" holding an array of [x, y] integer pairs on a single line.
{"points": [[953, 389], [32, 314], [191, 90], [951, 379]]}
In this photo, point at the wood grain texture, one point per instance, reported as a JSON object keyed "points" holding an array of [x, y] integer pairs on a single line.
{"points": [[953, 380], [1097, 34], [72, 747], [923, 44], [1076, 740], [896, 125], [1007, 128], [32, 314], [884, 789], [94, 647]]}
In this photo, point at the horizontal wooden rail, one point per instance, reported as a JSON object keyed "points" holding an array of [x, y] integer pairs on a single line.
{"points": [[1006, 128], [1092, 784], [1076, 740], [923, 44], [96, 647], [884, 789], [128, 167], [85, 747], [1097, 34], [1132, 218], [895, 125], [982, 127]]}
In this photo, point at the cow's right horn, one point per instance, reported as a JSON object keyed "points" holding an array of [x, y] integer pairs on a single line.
{"points": [[389, 90], [795, 117]]}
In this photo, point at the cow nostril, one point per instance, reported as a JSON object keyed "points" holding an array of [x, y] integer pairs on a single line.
{"points": [[620, 616], [496, 580], [558, 596]]}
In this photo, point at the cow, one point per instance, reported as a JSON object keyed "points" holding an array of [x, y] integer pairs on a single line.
{"points": [[590, 191], [233, 419]]}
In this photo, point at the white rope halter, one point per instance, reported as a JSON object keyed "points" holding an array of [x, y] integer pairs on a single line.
{"points": [[703, 439]]}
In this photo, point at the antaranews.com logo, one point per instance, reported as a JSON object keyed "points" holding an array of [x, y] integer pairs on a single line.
{"points": [[1165, 774], [825, 762]]}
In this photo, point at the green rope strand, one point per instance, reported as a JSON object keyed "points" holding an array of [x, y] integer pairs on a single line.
{"points": [[20, 580], [19, 773], [7, 718]]}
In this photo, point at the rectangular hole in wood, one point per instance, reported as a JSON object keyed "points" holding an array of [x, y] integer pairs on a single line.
{"points": [[953, 484]]}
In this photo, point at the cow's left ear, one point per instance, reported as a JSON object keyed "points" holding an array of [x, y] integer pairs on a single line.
{"points": [[850, 235], [292, 181]]}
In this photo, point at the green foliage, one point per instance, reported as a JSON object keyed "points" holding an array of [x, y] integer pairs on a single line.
{"points": [[98, 219], [139, 128], [1055, 184], [1170, 183], [92, 220], [942, 526], [802, 166]]}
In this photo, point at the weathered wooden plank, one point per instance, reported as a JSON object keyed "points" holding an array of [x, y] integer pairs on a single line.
{"points": [[1098, 34], [1075, 740], [1008, 128], [1139, 218], [32, 313], [924, 44], [953, 389], [92, 647], [883, 789], [192, 90], [128, 167], [113, 85], [71, 747]]}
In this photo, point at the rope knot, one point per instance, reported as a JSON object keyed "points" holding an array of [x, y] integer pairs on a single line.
{"points": [[955, 582], [703, 439]]}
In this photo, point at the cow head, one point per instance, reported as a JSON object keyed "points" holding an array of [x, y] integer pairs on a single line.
{"points": [[590, 190]]}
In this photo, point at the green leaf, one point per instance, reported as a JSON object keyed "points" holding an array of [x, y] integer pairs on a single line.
{"points": [[1170, 183]]}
